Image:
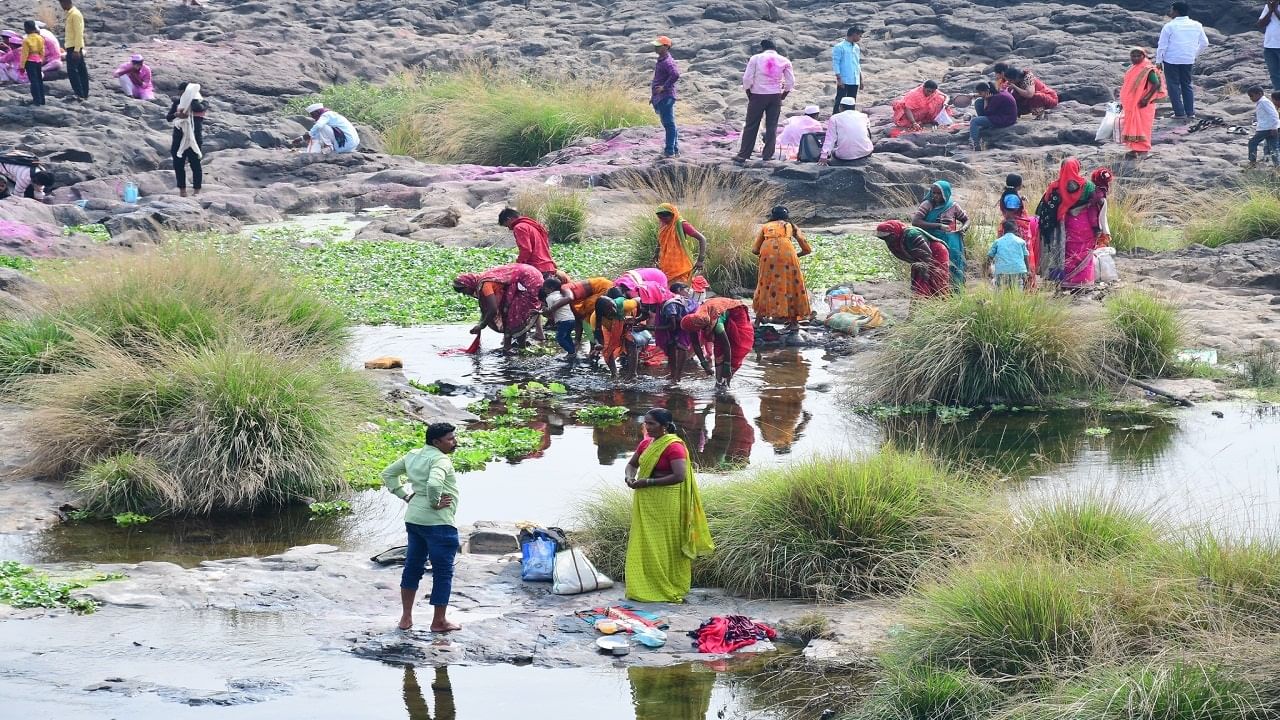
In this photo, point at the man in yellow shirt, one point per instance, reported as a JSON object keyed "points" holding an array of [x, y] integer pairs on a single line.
{"points": [[77, 72], [31, 57]]}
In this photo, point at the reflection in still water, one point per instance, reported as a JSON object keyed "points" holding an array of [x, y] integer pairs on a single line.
{"points": [[682, 692], [727, 444], [782, 414], [415, 702]]}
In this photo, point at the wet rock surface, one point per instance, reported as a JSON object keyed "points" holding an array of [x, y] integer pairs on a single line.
{"points": [[1078, 48], [505, 620]]}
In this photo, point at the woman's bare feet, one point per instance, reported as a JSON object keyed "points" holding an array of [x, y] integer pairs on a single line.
{"points": [[446, 626], [404, 624]]}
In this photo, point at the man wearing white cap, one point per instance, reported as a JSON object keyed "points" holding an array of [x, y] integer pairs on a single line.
{"points": [[135, 79], [331, 133], [797, 127], [848, 135]]}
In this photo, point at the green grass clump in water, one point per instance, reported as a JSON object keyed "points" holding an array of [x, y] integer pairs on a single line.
{"points": [[1249, 214], [124, 483], [986, 345], [23, 587], [1146, 333], [1158, 691], [1084, 529], [923, 692], [485, 115], [826, 528], [373, 451]]}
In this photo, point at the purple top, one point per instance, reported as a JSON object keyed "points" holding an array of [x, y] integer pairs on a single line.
{"points": [[665, 75], [1001, 109]]}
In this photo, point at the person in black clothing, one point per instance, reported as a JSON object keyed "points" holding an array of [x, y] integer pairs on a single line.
{"points": [[187, 115], [33, 50]]}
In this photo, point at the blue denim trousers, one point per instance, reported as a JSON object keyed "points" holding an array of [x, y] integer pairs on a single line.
{"points": [[666, 109], [564, 335], [1272, 57], [1181, 96], [440, 544], [976, 126]]}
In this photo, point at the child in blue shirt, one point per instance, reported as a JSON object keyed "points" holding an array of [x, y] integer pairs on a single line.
{"points": [[1009, 257]]}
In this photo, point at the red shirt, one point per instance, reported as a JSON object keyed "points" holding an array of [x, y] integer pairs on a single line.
{"points": [[533, 244], [674, 451]]}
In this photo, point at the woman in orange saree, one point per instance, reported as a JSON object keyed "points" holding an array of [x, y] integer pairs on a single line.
{"points": [[1142, 86], [673, 254]]}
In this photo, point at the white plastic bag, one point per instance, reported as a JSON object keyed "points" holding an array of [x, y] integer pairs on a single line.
{"points": [[1110, 121], [1104, 259], [575, 574]]}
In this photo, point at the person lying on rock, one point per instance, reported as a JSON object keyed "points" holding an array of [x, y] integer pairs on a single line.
{"points": [[331, 133], [533, 243], [135, 79], [425, 480], [919, 108], [848, 136], [996, 109]]}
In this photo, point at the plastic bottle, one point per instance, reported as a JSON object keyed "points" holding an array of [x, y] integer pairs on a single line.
{"points": [[130, 192]]}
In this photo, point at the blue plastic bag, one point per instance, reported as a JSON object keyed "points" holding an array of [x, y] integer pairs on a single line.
{"points": [[538, 559]]}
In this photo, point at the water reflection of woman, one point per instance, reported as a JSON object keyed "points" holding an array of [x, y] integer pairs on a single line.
{"points": [[732, 437], [416, 703], [682, 692], [782, 415]]}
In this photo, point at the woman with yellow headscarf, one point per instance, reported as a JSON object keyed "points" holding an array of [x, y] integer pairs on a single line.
{"points": [[673, 251]]}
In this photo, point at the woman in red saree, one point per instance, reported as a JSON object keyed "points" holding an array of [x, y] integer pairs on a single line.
{"points": [[919, 108], [508, 297], [1033, 96], [1143, 85], [728, 323], [930, 262]]}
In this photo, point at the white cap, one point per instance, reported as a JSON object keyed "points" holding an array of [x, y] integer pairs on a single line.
{"points": [[317, 107], [848, 101], [811, 110]]}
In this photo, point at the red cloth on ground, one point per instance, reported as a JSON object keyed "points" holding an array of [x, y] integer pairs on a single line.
{"points": [[724, 634], [534, 244]]}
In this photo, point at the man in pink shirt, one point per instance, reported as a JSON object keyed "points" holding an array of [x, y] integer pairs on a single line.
{"points": [[135, 79], [767, 81], [533, 245]]}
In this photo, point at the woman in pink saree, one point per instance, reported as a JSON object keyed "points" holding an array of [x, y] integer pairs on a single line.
{"points": [[920, 107], [1143, 85], [1086, 230]]}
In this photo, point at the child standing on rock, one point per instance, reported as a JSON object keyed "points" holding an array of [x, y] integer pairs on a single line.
{"points": [[1008, 256], [1268, 130]]}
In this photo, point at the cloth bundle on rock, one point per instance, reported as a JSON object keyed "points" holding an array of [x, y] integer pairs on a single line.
{"points": [[725, 634]]}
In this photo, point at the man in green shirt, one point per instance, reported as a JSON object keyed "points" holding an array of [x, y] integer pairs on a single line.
{"points": [[425, 480]]}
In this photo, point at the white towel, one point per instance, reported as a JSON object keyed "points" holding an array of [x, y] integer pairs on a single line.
{"points": [[187, 125]]}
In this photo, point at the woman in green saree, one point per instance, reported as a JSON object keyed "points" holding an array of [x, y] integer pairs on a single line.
{"points": [[668, 526], [947, 221]]}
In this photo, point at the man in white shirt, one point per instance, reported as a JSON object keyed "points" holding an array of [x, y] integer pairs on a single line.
{"points": [[1269, 23], [1181, 40], [331, 132], [848, 136], [1268, 130], [767, 81]]}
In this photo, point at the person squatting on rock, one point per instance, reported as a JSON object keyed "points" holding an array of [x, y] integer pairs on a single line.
{"points": [[767, 81], [919, 108], [32, 59], [331, 133], [846, 63], [1181, 40], [425, 480], [77, 71], [1268, 130], [22, 175], [996, 109], [848, 136], [662, 94], [134, 77], [797, 127], [187, 116], [533, 243]]}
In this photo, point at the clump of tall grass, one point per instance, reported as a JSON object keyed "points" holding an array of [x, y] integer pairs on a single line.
{"points": [[1229, 217], [562, 211], [236, 425], [983, 346], [1239, 577], [1089, 529], [30, 346], [1146, 332], [826, 528], [1262, 365], [1175, 690], [725, 206], [925, 692], [482, 114]]}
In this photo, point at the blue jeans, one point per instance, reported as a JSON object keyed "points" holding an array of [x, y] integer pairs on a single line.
{"points": [[1181, 95], [564, 335], [976, 126], [1262, 137], [666, 109], [1272, 56], [440, 544]]}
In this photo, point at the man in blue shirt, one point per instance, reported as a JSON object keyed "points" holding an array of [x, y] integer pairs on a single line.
{"points": [[846, 63]]}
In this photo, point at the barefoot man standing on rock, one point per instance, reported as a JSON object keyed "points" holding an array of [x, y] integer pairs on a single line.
{"points": [[425, 480]]}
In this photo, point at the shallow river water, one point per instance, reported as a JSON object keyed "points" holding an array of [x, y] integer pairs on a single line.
{"points": [[1217, 463]]}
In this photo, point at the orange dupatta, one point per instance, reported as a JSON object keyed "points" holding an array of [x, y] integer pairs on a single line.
{"points": [[1137, 123], [673, 256]]}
